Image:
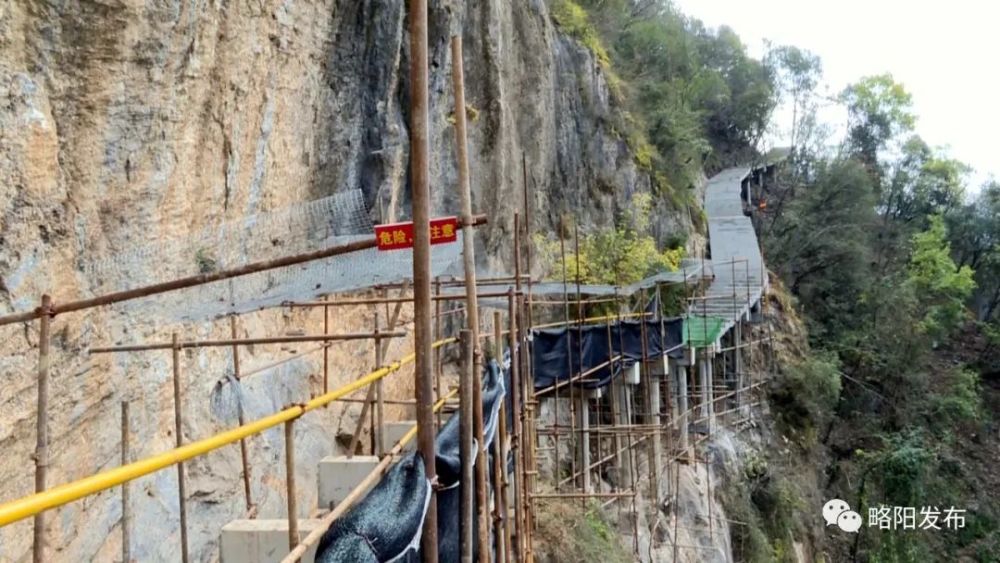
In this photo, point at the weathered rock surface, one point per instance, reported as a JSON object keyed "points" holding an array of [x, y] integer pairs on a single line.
{"points": [[131, 122]]}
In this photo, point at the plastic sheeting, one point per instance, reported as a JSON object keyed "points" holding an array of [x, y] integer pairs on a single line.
{"points": [[385, 526], [558, 353], [366, 534]]}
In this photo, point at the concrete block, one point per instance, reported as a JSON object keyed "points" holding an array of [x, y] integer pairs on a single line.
{"points": [[396, 430], [262, 541], [338, 475]]}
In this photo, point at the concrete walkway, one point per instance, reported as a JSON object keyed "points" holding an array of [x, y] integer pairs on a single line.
{"points": [[737, 265]]}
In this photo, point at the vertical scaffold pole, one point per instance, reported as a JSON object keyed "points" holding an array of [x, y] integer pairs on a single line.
{"points": [[179, 441], [471, 302], [241, 417], [293, 510], [420, 185], [126, 511], [42, 424]]}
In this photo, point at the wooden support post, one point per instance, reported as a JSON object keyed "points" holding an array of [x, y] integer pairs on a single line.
{"points": [[42, 424], [241, 417], [126, 510], [179, 441], [293, 512]]}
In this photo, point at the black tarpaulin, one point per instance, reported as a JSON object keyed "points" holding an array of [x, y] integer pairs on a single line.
{"points": [[557, 353]]}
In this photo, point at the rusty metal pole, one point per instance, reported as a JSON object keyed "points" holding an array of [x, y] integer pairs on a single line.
{"points": [[516, 421], [326, 348], [293, 516], [179, 441], [379, 396], [466, 513], [471, 302], [42, 424], [126, 513], [423, 346], [438, 330], [244, 454], [500, 479]]}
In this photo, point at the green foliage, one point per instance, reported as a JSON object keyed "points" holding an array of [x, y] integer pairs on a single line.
{"points": [[806, 392], [879, 110], [568, 531], [821, 246], [974, 232], [622, 255], [940, 287], [961, 399], [689, 96], [575, 22]]}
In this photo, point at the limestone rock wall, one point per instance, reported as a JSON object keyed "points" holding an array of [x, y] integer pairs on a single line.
{"points": [[131, 122]]}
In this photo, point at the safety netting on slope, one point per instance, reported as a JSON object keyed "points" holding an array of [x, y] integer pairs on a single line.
{"points": [[296, 229], [386, 525]]}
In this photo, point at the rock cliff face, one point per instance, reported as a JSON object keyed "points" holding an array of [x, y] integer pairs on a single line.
{"points": [[132, 122]]}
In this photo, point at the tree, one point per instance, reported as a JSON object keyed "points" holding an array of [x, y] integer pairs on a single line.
{"points": [[940, 287], [821, 245], [879, 110], [797, 73], [974, 231]]}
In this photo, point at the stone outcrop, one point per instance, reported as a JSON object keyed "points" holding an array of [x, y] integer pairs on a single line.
{"points": [[136, 122]]}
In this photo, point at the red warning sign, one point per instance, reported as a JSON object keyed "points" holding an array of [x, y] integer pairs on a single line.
{"points": [[395, 236]]}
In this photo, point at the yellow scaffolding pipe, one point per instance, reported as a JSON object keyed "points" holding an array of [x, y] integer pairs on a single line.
{"points": [[31, 505]]}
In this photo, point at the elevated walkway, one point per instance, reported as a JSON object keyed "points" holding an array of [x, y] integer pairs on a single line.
{"points": [[739, 277]]}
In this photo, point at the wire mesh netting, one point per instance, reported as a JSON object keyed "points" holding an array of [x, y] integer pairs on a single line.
{"points": [[296, 229]]}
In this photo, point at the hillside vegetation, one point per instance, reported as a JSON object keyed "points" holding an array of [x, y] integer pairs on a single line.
{"points": [[893, 262]]}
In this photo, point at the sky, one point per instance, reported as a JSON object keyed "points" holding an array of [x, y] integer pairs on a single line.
{"points": [[946, 54]]}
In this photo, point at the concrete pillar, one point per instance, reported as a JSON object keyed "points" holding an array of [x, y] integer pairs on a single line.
{"points": [[655, 420], [738, 362], [681, 377], [623, 403], [705, 381], [262, 541], [337, 476], [583, 423]]}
